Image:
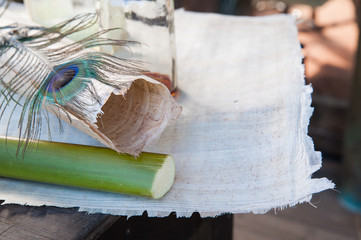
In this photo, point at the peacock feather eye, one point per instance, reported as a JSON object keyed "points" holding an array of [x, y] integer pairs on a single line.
{"points": [[65, 83], [62, 78]]}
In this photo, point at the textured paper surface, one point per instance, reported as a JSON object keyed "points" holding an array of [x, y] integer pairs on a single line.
{"points": [[241, 143]]}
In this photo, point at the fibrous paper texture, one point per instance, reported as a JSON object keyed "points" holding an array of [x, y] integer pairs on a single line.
{"points": [[241, 143]]}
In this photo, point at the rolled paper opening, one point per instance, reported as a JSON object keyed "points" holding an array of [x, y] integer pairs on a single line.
{"points": [[129, 119], [138, 117]]}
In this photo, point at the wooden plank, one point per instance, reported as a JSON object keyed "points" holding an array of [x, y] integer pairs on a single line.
{"points": [[24, 222], [328, 221], [329, 214], [273, 227]]}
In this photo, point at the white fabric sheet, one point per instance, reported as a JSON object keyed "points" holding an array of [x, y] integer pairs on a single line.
{"points": [[241, 144]]}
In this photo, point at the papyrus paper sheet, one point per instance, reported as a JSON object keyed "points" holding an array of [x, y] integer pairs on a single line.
{"points": [[241, 143]]}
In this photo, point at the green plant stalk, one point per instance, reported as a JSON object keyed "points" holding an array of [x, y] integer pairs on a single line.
{"points": [[149, 175]]}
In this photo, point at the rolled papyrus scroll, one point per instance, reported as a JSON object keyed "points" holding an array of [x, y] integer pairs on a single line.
{"points": [[105, 97]]}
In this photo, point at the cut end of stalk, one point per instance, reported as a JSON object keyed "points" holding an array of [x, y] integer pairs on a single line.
{"points": [[164, 179]]}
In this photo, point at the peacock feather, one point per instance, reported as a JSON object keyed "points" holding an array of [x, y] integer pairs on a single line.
{"points": [[39, 68]]}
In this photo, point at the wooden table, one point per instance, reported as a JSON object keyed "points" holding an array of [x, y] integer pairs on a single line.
{"points": [[24, 222], [40, 223]]}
